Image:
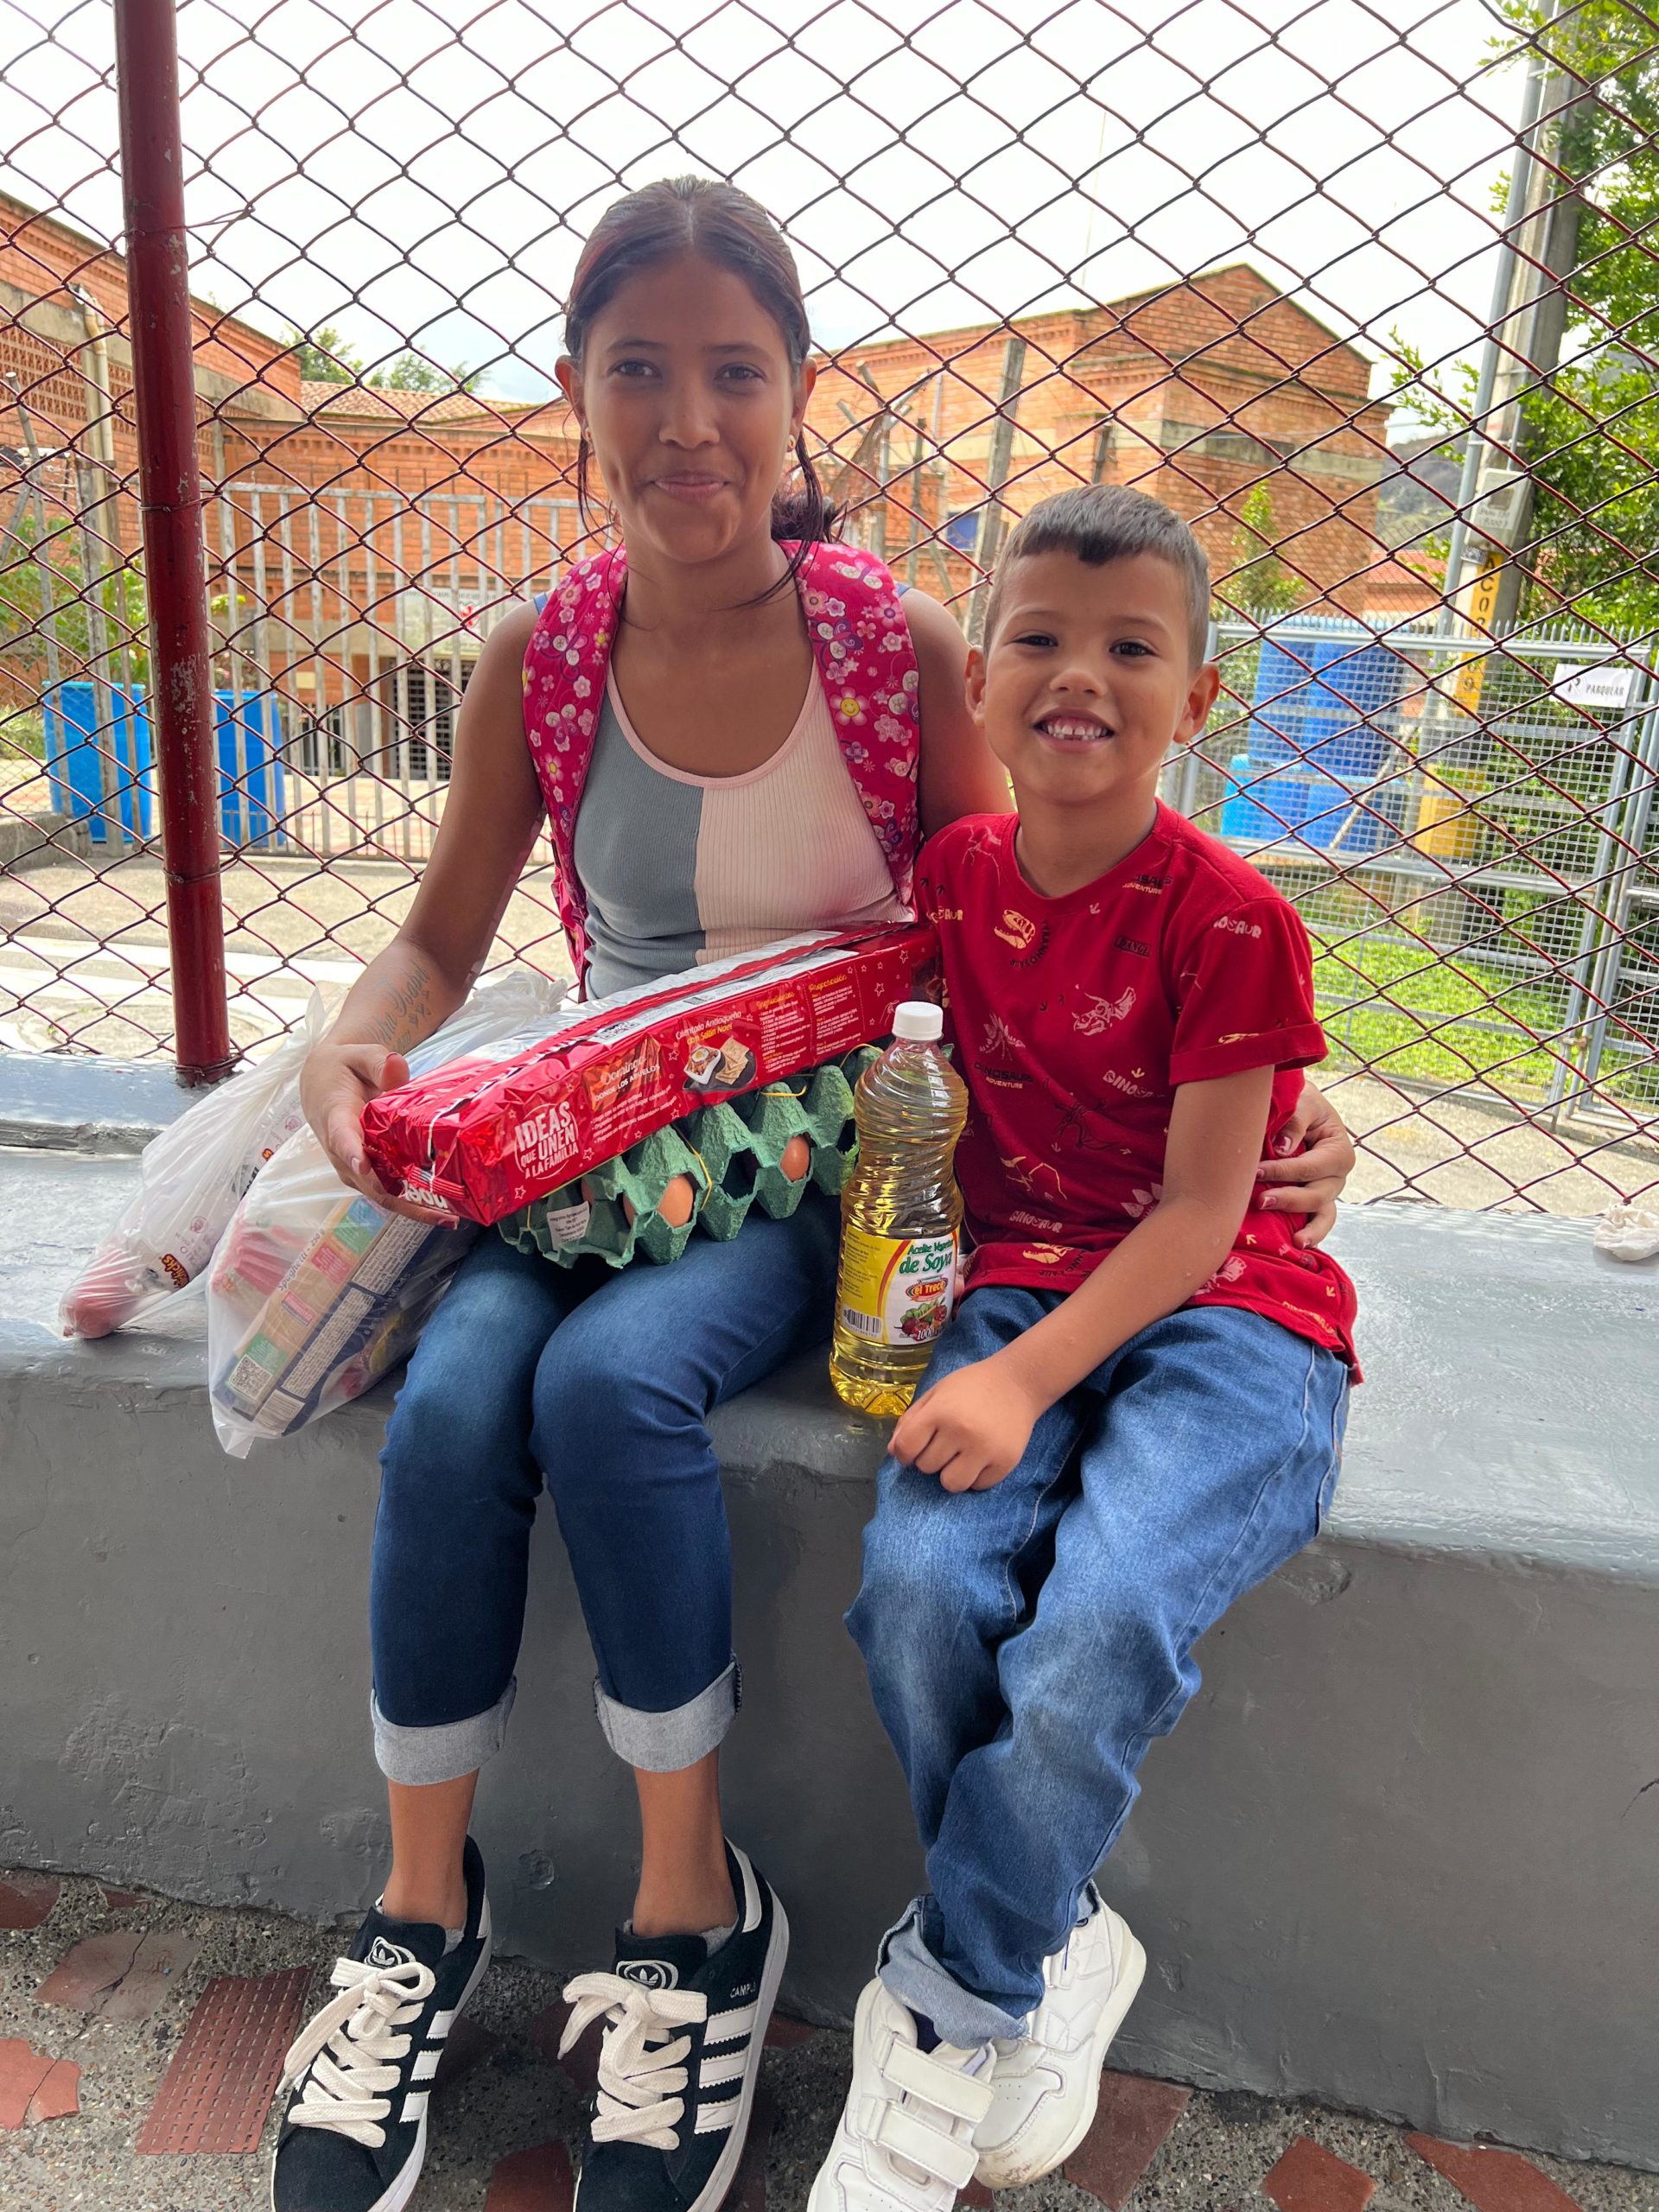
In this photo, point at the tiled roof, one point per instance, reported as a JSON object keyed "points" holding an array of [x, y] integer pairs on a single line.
{"points": [[377, 402]]}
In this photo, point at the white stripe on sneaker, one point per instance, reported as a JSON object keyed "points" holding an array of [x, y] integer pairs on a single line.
{"points": [[440, 2024], [414, 2106], [714, 2071], [727, 2027], [711, 2119], [427, 2063]]}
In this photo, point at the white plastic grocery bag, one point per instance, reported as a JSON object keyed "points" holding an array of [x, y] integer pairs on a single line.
{"points": [[315, 1292], [189, 1180]]}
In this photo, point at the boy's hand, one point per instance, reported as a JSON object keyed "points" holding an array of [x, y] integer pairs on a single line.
{"points": [[970, 1429]]}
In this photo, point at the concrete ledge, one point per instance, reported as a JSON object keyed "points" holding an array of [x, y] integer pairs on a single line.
{"points": [[74, 1104], [1397, 1857], [39, 839]]}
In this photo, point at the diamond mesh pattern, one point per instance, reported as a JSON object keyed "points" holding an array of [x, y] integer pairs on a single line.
{"points": [[1366, 294]]}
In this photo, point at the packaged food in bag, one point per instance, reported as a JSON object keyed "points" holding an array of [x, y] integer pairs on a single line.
{"points": [[315, 1291], [189, 1180], [314, 1294]]}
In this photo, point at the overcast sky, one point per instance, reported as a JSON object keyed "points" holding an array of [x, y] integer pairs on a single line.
{"points": [[373, 165]]}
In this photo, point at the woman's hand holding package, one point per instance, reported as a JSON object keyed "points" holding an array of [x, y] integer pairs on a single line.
{"points": [[1314, 1157], [336, 1084]]}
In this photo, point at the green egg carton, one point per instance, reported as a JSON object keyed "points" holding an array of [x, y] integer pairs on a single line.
{"points": [[640, 1175], [733, 1154]]}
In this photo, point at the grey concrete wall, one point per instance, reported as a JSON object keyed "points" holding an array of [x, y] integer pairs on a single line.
{"points": [[1398, 1855]]}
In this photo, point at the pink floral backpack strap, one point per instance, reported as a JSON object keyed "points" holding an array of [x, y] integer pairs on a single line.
{"points": [[867, 666], [565, 666]]}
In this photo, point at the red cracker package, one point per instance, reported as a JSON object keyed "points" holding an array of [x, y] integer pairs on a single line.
{"points": [[487, 1136]]}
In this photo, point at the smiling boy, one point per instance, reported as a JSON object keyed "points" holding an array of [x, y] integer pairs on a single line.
{"points": [[1136, 1414]]}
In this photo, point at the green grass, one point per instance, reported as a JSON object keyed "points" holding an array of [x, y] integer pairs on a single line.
{"points": [[1410, 1012]]}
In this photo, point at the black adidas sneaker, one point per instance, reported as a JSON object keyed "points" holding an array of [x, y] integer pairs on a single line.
{"points": [[353, 2138], [681, 2056]]}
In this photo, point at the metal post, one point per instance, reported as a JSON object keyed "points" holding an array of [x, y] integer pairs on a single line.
{"points": [[115, 710], [42, 557], [913, 492], [996, 476], [181, 696], [1605, 976]]}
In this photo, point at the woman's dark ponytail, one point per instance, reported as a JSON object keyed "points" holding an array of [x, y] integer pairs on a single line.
{"points": [[802, 512]]}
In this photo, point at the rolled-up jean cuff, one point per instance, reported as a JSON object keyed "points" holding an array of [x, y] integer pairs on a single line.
{"points": [[416, 1756], [662, 1742], [915, 1977]]}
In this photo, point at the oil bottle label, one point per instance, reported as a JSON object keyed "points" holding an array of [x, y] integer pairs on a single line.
{"points": [[897, 1290]]}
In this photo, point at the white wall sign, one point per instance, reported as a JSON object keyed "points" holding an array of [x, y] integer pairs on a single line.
{"points": [[1595, 683]]}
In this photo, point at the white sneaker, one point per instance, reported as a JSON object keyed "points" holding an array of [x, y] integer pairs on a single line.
{"points": [[906, 2136], [1045, 2087]]}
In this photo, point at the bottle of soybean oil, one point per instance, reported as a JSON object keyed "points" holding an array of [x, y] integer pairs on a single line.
{"points": [[900, 1218]]}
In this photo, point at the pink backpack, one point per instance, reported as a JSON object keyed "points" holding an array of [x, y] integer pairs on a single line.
{"points": [[865, 663]]}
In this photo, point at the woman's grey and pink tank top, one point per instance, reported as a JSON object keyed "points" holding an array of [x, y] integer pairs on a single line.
{"points": [[680, 869]]}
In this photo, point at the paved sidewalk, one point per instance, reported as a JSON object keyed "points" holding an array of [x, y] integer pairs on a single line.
{"points": [[126, 2021]]}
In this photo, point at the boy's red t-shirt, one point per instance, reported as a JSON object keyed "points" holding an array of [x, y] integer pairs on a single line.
{"points": [[1075, 1018]]}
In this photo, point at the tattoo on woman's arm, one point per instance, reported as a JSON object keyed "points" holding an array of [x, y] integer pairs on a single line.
{"points": [[408, 1010]]}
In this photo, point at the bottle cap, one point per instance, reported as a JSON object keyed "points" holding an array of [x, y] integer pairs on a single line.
{"points": [[919, 1022]]}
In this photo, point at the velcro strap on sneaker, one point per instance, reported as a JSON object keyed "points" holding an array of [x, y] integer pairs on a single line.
{"points": [[963, 2095], [903, 2135]]}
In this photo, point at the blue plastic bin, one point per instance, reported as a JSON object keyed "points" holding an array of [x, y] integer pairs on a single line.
{"points": [[1259, 810], [250, 763], [75, 751], [1316, 810], [1296, 716], [1336, 821], [249, 767], [1347, 823]]}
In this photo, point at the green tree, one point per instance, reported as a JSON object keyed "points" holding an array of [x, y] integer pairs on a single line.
{"points": [[1590, 431], [1259, 583], [42, 584], [414, 372], [324, 356]]}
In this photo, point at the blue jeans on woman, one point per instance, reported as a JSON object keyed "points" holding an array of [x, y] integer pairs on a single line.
{"points": [[599, 1383], [1025, 1643]]}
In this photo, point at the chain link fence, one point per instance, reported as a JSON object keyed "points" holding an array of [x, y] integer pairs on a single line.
{"points": [[1370, 298]]}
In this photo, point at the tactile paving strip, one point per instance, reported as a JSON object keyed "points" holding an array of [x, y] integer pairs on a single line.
{"points": [[218, 2090]]}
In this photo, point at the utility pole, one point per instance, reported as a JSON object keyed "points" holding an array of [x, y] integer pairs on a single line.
{"points": [[1536, 256]]}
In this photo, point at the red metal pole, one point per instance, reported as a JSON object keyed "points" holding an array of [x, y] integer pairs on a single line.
{"points": [[181, 685]]}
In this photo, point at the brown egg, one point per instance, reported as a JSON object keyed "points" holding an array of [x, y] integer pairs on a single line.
{"points": [[590, 1190], [796, 1159], [676, 1203]]}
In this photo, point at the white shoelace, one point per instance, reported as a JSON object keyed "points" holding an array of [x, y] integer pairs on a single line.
{"points": [[355, 2046], [642, 2071]]}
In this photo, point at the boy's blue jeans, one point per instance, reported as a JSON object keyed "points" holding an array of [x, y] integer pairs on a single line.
{"points": [[1025, 1643]]}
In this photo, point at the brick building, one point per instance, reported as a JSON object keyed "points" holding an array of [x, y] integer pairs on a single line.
{"points": [[360, 540], [1196, 391]]}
